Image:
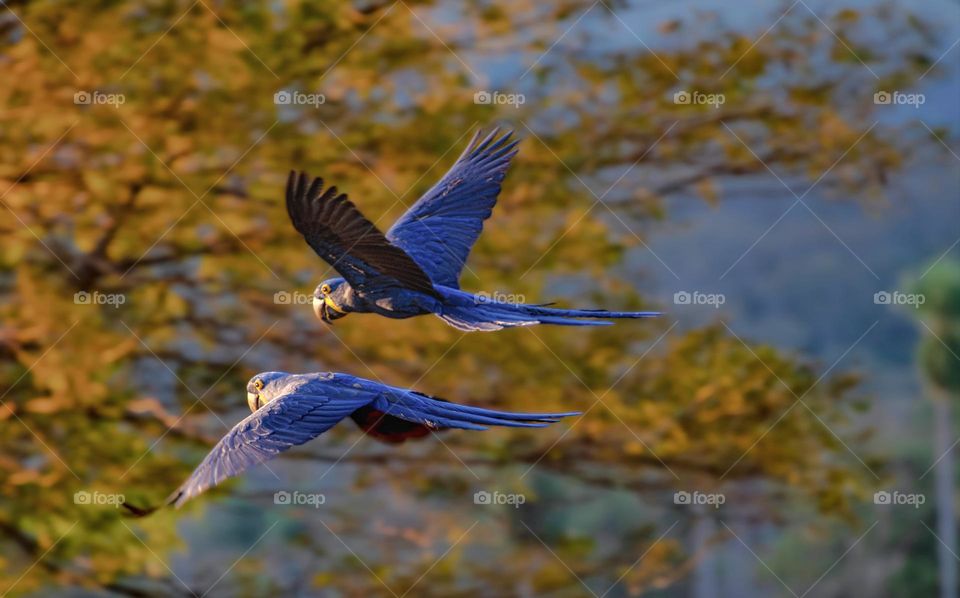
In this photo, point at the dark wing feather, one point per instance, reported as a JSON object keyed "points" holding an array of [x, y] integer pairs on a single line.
{"points": [[283, 423], [440, 229], [341, 235]]}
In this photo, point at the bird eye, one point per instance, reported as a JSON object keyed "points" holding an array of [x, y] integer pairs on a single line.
{"points": [[258, 384], [325, 289]]}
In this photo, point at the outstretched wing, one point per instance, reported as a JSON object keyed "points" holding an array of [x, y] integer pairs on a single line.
{"points": [[440, 229], [283, 423], [341, 235]]}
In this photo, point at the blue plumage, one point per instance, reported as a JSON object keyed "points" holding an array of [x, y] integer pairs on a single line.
{"points": [[439, 230], [415, 268], [290, 410]]}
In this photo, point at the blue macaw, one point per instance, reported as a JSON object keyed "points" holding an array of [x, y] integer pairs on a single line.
{"points": [[291, 409], [414, 269]]}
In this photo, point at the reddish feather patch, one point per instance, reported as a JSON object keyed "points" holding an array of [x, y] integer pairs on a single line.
{"points": [[388, 428]]}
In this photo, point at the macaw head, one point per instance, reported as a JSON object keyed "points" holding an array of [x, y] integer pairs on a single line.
{"points": [[330, 299], [263, 388]]}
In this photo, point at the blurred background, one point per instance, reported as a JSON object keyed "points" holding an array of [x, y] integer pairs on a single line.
{"points": [[779, 178]]}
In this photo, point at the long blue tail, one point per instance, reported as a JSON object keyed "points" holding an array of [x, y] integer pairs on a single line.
{"points": [[433, 412], [481, 314]]}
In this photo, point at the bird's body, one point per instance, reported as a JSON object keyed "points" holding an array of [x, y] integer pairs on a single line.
{"points": [[398, 304], [289, 410], [414, 268], [463, 310]]}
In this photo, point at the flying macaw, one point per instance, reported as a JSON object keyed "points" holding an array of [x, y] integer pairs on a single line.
{"points": [[414, 269], [291, 409]]}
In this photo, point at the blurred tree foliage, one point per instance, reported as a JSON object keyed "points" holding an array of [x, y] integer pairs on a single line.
{"points": [[939, 354], [938, 351], [173, 199]]}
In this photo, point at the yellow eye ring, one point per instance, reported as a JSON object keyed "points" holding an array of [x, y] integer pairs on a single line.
{"points": [[325, 289], [258, 384]]}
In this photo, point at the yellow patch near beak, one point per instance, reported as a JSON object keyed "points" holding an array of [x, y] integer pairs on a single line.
{"points": [[329, 302]]}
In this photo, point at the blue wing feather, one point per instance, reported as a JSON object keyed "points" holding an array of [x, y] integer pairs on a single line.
{"points": [[439, 230], [283, 423], [320, 402]]}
